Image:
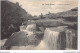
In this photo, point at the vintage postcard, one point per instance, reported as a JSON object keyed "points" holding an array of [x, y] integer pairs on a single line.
{"points": [[39, 25]]}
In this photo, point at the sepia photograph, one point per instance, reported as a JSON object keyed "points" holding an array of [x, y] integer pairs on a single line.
{"points": [[39, 25]]}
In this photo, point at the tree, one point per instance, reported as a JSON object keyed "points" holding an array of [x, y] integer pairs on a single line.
{"points": [[11, 14]]}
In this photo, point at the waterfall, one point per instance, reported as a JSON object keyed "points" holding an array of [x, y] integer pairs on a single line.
{"points": [[60, 38], [29, 29], [71, 39], [51, 38], [55, 38]]}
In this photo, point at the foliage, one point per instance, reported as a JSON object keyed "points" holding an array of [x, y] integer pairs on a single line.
{"points": [[12, 16]]}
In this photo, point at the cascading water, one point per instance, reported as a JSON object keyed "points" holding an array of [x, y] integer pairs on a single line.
{"points": [[55, 38], [60, 38], [29, 29], [71, 39], [51, 38]]}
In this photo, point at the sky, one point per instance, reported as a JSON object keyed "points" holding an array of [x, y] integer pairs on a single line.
{"points": [[36, 7]]}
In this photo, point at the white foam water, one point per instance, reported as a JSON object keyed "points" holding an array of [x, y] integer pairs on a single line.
{"points": [[51, 39], [29, 29], [69, 39]]}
